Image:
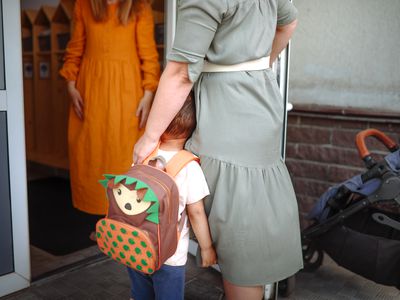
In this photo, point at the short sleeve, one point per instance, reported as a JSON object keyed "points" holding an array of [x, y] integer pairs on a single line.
{"points": [[287, 13], [196, 26], [192, 184]]}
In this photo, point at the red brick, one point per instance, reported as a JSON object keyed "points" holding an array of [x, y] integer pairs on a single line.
{"points": [[344, 138], [321, 152], [305, 206], [324, 154], [293, 120], [291, 150], [318, 121], [304, 169], [308, 135], [347, 138], [386, 127], [306, 203], [340, 174], [310, 187], [352, 124], [322, 172]]}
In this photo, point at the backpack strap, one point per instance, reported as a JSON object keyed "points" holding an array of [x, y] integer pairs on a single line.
{"points": [[173, 167], [179, 161]]}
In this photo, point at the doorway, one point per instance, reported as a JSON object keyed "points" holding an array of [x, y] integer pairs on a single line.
{"points": [[14, 247], [59, 233], [46, 27]]}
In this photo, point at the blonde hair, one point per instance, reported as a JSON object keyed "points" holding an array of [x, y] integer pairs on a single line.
{"points": [[126, 9]]}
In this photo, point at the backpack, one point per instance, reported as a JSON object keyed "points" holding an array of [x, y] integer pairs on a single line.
{"points": [[141, 228]]}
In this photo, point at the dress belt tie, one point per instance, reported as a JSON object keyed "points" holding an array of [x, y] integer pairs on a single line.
{"points": [[251, 65]]}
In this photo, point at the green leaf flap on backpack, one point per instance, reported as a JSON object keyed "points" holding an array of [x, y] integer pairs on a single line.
{"points": [[153, 218], [130, 180], [119, 178], [104, 182]]}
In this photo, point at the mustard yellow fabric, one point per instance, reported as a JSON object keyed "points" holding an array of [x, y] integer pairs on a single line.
{"points": [[112, 65]]}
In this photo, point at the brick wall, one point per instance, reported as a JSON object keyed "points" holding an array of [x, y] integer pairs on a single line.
{"points": [[321, 151]]}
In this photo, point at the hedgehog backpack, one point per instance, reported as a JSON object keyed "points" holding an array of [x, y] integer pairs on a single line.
{"points": [[141, 228]]}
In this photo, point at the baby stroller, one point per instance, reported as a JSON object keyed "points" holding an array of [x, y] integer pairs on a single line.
{"points": [[357, 223]]}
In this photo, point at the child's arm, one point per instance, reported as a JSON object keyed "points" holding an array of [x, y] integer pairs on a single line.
{"points": [[199, 223]]}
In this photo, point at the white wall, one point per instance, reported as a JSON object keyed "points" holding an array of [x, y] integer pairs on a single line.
{"points": [[35, 4], [346, 54]]}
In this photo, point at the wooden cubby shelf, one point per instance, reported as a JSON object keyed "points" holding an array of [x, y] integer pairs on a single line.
{"points": [[45, 34]]}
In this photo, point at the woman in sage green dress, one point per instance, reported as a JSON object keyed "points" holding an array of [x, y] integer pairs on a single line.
{"points": [[252, 208]]}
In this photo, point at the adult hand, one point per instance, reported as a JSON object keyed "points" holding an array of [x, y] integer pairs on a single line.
{"points": [[143, 109], [143, 148], [77, 101], [208, 257]]}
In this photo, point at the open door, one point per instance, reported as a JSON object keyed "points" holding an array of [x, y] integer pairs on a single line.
{"points": [[14, 238]]}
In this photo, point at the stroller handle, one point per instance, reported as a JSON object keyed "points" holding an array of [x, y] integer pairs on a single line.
{"points": [[363, 150]]}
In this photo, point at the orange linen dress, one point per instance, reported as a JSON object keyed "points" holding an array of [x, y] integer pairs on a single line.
{"points": [[112, 65]]}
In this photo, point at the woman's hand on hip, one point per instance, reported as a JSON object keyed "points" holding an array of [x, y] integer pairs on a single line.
{"points": [[143, 148], [77, 101], [144, 106]]}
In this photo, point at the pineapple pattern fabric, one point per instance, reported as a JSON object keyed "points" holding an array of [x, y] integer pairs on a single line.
{"points": [[126, 244]]}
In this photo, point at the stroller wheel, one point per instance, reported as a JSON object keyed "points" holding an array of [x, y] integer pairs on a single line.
{"points": [[312, 258], [286, 286]]}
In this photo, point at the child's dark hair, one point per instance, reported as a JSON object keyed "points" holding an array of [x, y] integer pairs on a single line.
{"points": [[184, 122]]}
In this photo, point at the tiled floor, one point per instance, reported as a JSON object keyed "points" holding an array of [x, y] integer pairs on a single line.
{"points": [[108, 280], [43, 263], [331, 282], [88, 275]]}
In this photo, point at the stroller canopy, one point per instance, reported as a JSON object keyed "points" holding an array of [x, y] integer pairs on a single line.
{"points": [[354, 184]]}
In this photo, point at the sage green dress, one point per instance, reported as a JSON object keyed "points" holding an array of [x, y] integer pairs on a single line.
{"points": [[252, 207]]}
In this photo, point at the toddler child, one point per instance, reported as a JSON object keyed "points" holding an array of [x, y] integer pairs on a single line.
{"points": [[168, 282]]}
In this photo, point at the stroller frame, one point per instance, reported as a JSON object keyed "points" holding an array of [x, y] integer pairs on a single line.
{"points": [[388, 190]]}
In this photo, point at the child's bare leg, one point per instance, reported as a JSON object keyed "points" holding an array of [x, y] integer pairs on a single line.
{"points": [[236, 292]]}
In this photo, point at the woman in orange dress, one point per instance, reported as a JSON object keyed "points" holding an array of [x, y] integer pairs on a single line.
{"points": [[112, 71]]}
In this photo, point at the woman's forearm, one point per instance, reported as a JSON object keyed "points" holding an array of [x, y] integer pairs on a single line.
{"points": [[172, 91], [281, 39]]}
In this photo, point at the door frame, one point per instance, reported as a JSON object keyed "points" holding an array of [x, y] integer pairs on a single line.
{"points": [[11, 101]]}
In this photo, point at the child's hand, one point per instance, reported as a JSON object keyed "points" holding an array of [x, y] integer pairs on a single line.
{"points": [[208, 257]]}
